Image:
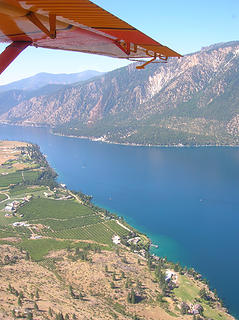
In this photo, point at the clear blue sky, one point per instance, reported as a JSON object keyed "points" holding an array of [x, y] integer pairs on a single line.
{"points": [[184, 26]]}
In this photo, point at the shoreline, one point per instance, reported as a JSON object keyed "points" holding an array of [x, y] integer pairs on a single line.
{"points": [[94, 139]]}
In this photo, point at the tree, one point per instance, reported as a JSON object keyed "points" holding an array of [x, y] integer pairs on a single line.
{"points": [[160, 297], [184, 308], [27, 256], [215, 294], [128, 297], [126, 284], [114, 276], [176, 267], [19, 302], [138, 284], [162, 280], [157, 272], [74, 317], [106, 268], [37, 294], [124, 260], [131, 297], [60, 316], [10, 288], [164, 290], [29, 316], [149, 264], [50, 312], [13, 313], [203, 294], [98, 249], [71, 292], [36, 306], [6, 259]]}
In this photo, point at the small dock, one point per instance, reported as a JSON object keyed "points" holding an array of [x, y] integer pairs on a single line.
{"points": [[154, 245]]}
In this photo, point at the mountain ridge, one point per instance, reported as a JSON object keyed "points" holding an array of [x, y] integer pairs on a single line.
{"points": [[44, 78], [190, 101]]}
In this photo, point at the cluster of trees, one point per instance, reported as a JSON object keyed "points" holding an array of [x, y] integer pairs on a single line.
{"points": [[131, 297], [28, 315], [9, 260], [75, 296], [83, 254], [135, 247], [59, 315], [47, 176], [160, 277], [150, 132], [14, 291], [84, 197], [35, 155]]}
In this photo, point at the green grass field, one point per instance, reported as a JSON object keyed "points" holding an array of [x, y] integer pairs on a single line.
{"points": [[187, 291], [63, 224], [18, 177], [7, 232], [31, 175], [116, 228], [3, 197], [22, 191], [5, 221], [39, 248], [99, 232], [48, 208], [11, 178]]}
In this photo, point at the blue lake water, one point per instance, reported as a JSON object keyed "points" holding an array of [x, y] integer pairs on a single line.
{"points": [[185, 199]]}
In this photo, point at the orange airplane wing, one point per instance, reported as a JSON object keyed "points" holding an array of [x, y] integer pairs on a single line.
{"points": [[76, 25]]}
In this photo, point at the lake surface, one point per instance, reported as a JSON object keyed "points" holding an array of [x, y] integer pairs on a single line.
{"points": [[185, 199]]}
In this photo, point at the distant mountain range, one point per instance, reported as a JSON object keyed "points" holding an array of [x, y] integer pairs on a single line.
{"points": [[43, 79], [190, 101]]}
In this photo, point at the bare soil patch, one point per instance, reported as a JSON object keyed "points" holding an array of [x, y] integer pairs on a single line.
{"points": [[8, 150]]}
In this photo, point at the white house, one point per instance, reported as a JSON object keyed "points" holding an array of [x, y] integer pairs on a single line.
{"points": [[116, 239]]}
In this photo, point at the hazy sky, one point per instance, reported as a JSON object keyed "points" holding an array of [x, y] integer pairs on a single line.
{"points": [[185, 26]]}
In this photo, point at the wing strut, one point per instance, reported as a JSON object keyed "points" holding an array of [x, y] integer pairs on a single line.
{"points": [[52, 22], [11, 52], [145, 64]]}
